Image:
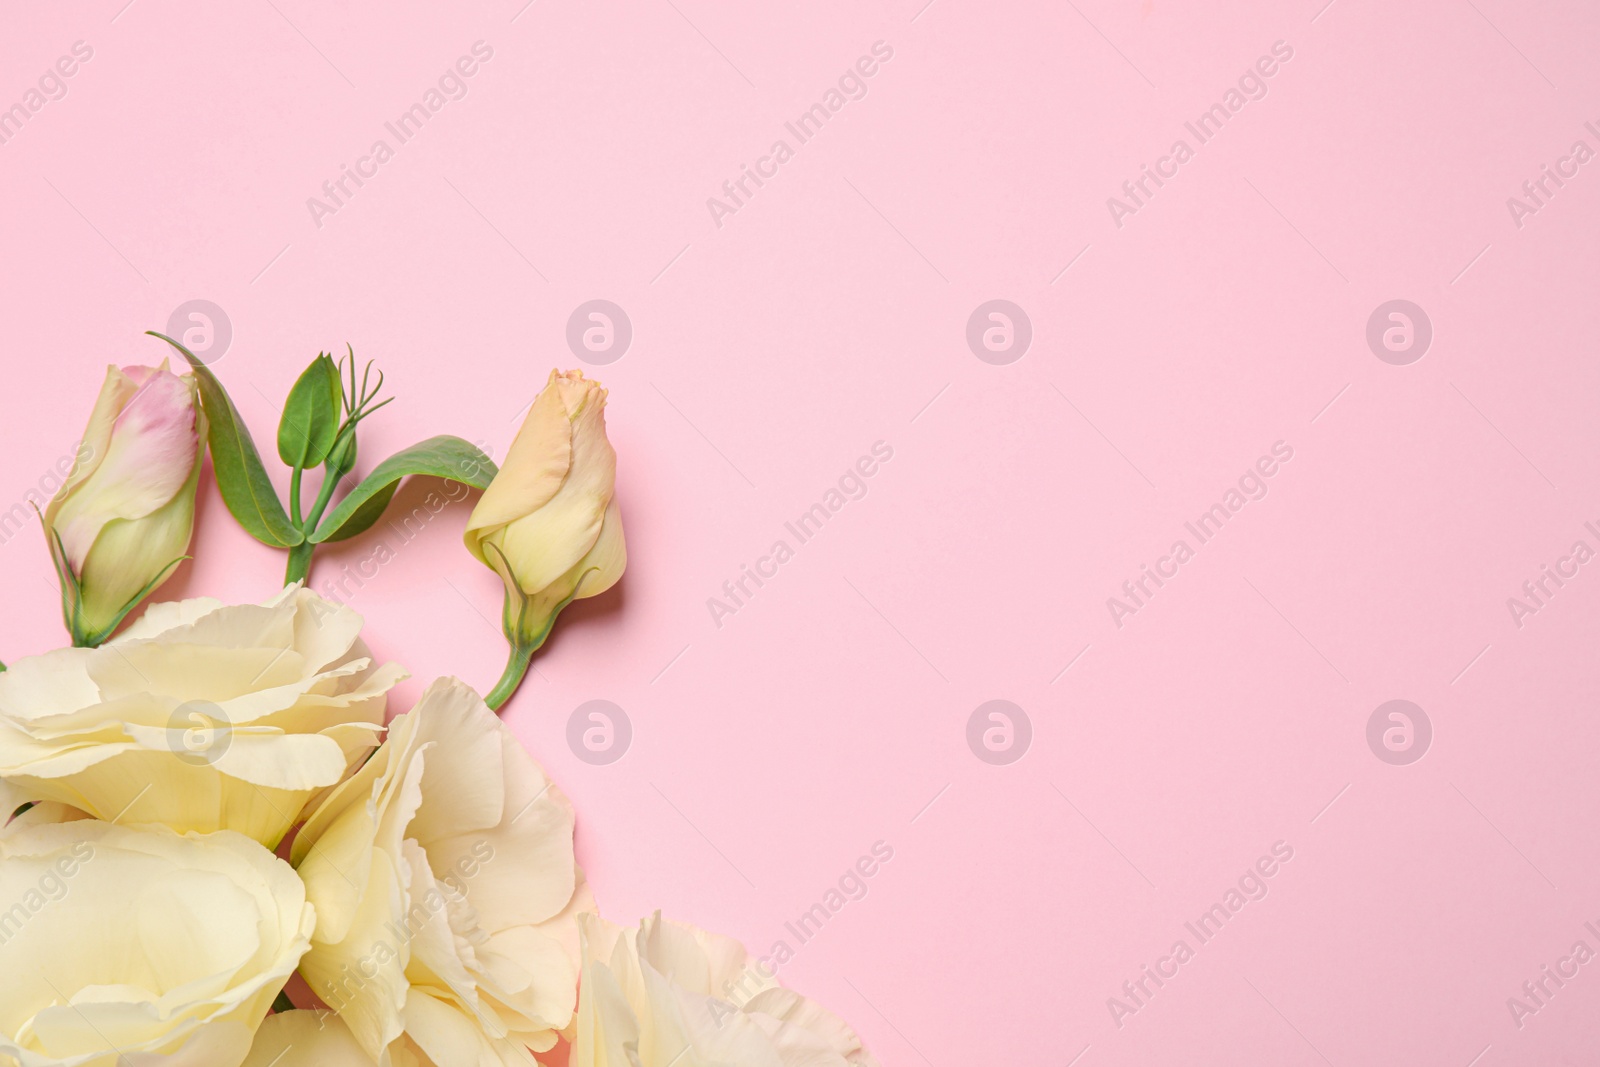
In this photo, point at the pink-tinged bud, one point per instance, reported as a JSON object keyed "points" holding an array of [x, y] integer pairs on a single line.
{"points": [[122, 520]]}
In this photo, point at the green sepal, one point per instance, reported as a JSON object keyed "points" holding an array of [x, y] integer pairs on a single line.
{"points": [[342, 456], [72, 597], [524, 640]]}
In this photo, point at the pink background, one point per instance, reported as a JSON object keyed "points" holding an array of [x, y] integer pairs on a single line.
{"points": [[829, 313]]}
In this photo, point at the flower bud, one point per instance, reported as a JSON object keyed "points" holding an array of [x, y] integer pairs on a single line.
{"points": [[121, 523], [548, 523]]}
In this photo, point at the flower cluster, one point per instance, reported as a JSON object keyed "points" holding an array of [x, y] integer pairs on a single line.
{"points": [[220, 846]]}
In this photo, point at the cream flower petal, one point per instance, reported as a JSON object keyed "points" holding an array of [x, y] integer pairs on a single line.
{"points": [[448, 1037], [359, 977], [603, 566], [546, 542], [115, 392], [313, 1039], [201, 717], [166, 615], [525, 823], [141, 946], [130, 552], [537, 462], [52, 684], [445, 881], [144, 425], [657, 997], [149, 456]]}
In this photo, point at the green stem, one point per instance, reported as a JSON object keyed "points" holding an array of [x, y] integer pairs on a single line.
{"points": [[294, 494], [283, 1003], [330, 481], [299, 563], [516, 668], [300, 555]]}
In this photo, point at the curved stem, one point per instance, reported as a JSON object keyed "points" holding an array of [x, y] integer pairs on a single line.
{"points": [[294, 494], [516, 668], [330, 481]]}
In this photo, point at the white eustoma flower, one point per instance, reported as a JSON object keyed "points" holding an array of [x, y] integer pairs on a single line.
{"points": [[123, 947], [445, 885], [313, 1039], [199, 717], [670, 995]]}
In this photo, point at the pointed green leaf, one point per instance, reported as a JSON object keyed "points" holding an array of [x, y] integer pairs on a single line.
{"points": [[245, 487], [310, 415], [441, 457]]}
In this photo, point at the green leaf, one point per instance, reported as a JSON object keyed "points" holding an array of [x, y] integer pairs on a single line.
{"points": [[246, 489], [441, 457], [311, 415]]}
